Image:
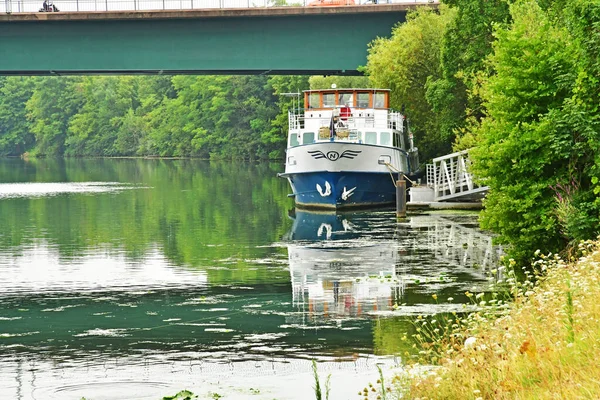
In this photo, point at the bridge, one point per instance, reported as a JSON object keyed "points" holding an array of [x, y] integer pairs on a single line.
{"points": [[253, 40]]}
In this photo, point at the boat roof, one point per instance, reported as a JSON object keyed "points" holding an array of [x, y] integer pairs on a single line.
{"points": [[346, 90]]}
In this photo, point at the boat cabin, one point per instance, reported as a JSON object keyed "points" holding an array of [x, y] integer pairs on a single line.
{"points": [[352, 115]]}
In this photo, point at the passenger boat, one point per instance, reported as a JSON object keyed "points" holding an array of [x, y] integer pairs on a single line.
{"points": [[346, 149]]}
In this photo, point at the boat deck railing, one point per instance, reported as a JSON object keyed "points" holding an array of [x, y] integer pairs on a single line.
{"points": [[358, 119]]}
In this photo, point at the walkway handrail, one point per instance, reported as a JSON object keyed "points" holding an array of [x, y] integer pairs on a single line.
{"points": [[450, 178]]}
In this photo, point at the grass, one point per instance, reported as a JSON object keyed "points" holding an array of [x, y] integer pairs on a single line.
{"points": [[543, 344], [317, 388]]}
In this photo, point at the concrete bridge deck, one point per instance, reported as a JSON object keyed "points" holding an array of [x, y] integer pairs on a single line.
{"points": [[272, 40], [201, 13]]}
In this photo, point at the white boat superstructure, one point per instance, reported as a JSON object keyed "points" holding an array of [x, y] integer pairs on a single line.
{"points": [[345, 147]]}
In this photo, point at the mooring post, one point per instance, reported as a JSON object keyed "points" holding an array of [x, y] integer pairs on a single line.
{"points": [[401, 198]]}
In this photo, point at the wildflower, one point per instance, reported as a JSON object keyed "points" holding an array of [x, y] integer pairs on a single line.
{"points": [[434, 296], [470, 342]]}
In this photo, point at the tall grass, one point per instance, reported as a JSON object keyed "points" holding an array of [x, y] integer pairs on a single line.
{"points": [[317, 387], [542, 345]]}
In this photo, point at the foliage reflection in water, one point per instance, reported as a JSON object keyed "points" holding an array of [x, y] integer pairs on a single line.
{"points": [[172, 274]]}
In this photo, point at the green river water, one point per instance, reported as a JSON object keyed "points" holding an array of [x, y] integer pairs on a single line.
{"points": [[134, 279]]}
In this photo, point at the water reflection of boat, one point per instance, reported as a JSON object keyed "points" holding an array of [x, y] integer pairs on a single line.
{"points": [[321, 226], [335, 273]]}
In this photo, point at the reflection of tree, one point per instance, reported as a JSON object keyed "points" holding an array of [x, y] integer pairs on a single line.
{"points": [[199, 213], [388, 335]]}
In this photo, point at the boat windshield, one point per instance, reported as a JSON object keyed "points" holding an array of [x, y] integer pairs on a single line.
{"points": [[355, 98]]}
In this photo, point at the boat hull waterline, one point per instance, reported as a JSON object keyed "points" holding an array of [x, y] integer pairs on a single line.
{"points": [[342, 190]]}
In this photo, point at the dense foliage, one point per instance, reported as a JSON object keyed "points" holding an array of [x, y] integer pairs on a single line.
{"points": [[404, 63], [537, 147], [466, 43], [516, 81], [234, 117]]}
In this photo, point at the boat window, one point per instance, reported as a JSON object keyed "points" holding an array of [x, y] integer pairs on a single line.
{"points": [[308, 137], [398, 140], [328, 100], [345, 99], [371, 137], [294, 140], [385, 139], [313, 100], [379, 100], [405, 140], [362, 100]]}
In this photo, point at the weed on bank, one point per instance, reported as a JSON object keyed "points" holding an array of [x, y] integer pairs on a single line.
{"points": [[541, 343]]}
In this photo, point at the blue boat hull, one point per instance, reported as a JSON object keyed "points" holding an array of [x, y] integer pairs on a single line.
{"points": [[342, 190]]}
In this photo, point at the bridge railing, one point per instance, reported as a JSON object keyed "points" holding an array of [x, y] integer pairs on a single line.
{"points": [[30, 6]]}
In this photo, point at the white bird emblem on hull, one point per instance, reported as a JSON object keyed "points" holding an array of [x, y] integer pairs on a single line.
{"points": [[327, 191], [325, 227], [347, 193]]}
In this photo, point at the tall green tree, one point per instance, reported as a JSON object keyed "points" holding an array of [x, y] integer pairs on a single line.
{"points": [[15, 133], [214, 116], [466, 43], [94, 130], [284, 87], [53, 102], [537, 145], [404, 63]]}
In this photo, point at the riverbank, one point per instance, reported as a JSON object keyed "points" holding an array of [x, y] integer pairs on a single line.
{"points": [[543, 346]]}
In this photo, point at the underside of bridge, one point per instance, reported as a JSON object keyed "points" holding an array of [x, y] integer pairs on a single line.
{"points": [[285, 40]]}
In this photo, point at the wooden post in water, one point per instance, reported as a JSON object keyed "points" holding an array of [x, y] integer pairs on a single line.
{"points": [[401, 198]]}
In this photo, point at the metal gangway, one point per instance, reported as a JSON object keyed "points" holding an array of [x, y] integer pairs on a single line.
{"points": [[450, 179]]}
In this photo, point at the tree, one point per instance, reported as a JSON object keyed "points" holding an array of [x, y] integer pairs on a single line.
{"points": [[95, 128], [326, 82], [405, 63], [466, 44], [15, 133], [538, 140], [276, 136]]}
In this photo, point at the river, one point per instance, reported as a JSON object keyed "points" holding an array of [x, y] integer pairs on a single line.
{"points": [[134, 279]]}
